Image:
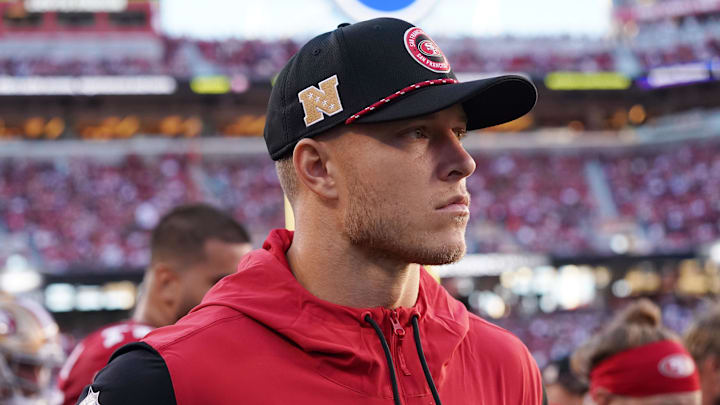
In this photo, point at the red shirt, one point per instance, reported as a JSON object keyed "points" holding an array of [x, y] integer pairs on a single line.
{"points": [[93, 353], [259, 337]]}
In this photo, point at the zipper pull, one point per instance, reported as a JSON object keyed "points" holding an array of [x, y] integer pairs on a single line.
{"points": [[397, 328]]}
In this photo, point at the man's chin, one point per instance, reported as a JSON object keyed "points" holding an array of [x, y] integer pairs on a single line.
{"points": [[443, 261], [445, 254]]}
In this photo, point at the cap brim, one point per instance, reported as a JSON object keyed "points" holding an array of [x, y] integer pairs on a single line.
{"points": [[487, 102]]}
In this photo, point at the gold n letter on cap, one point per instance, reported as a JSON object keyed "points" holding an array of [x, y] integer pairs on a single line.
{"points": [[324, 100]]}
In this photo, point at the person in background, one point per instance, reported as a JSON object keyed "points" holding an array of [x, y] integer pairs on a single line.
{"points": [[192, 248], [703, 342], [637, 361], [30, 352], [561, 385]]}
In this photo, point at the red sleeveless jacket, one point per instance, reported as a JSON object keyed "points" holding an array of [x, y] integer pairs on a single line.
{"points": [[259, 337]]}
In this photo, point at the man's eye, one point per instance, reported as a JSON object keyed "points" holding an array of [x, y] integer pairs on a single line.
{"points": [[461, 133], [417, 133]]}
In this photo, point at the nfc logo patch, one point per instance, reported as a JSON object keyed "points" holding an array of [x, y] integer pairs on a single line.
{"points": [[320, 102]]}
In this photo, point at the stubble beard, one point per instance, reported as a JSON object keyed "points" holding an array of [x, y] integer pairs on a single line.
{"points": [[378, 226]]}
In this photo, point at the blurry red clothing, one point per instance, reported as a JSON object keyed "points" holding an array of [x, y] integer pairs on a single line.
{"points": [[93, 353]]}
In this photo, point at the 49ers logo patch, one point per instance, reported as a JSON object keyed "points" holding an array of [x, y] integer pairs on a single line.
{"points": [[676, 366], [425, 51]]}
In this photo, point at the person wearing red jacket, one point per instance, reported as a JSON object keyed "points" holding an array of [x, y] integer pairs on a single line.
{"points": [[192, 247], [365, 124]]}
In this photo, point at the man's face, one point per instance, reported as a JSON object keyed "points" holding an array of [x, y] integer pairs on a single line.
{"points": [[221, 259], [402, 187]]}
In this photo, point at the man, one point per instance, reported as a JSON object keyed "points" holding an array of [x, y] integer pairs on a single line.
{"points": [[192, 247], [702, 340], [30, 352], [365, 124]]}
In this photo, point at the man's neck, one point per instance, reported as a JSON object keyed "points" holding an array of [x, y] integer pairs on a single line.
{"points": [[333, 270]]}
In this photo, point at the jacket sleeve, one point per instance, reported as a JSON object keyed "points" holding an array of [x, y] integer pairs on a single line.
{"points": [[136, 374]]}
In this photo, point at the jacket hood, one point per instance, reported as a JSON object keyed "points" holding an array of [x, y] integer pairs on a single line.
{"points": [[345, 346]]}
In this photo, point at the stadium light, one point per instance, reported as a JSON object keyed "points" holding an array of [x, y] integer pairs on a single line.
{"points": [[715, 252], [620, 244], [86, 85], [18, 276], [492, 264], [60, 297], [41, 6]]}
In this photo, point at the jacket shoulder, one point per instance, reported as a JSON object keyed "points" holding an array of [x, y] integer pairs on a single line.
{"points": [[199, 324], [507, 349], [505, 356]]}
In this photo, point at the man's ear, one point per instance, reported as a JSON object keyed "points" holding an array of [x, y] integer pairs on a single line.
{"points": [[313, 169], [167, 285]]}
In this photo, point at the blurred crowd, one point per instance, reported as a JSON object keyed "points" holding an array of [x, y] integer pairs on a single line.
{"points": [[669, 42], [89, 212], [672, 193], [556, 335], [528, 202], [125, 66], [643, 47]]}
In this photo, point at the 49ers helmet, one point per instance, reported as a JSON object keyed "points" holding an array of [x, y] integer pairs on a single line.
{"points": [[29, 350]]}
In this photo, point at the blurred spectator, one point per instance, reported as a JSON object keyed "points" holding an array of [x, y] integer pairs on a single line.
{"points": [[634, 358], [703, 343], [562, 387]]}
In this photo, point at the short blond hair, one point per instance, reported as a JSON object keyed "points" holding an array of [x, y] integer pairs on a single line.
{"points": [[288, 178], [701, 339]]}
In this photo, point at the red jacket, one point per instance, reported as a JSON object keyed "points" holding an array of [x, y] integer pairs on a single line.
{"points": [[93, 353], [259, 337]]}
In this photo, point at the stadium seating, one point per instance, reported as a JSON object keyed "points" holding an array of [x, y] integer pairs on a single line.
{"points": [[86, 212], [657, 44]]}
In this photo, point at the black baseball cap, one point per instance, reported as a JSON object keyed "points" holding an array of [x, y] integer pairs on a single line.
{"points": [[380, 70]]}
